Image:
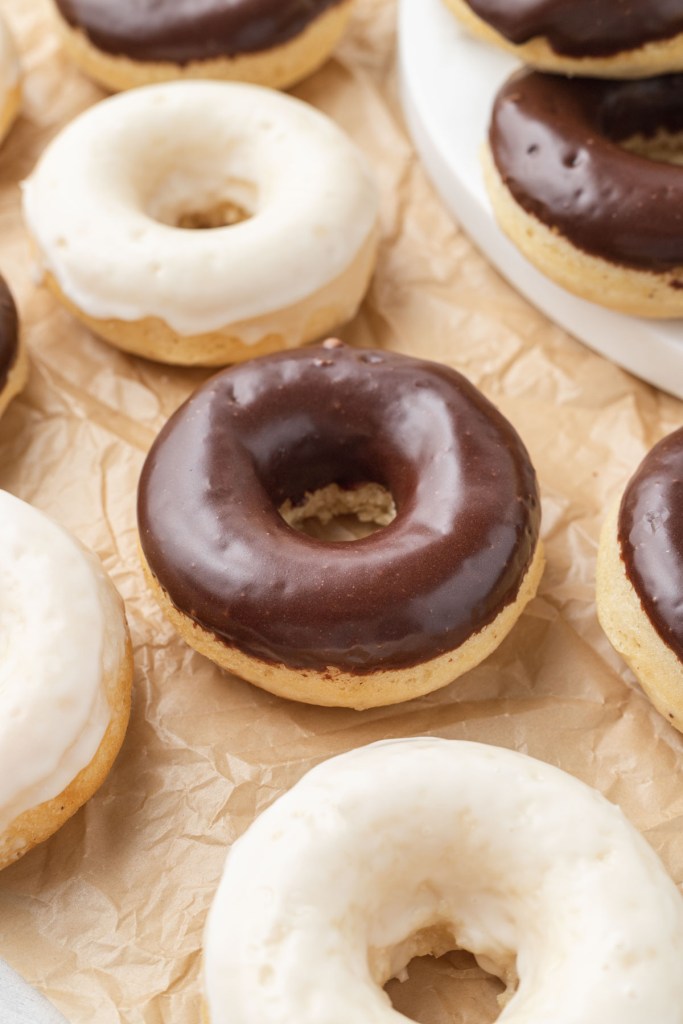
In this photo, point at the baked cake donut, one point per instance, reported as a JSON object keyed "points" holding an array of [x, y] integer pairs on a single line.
{"points": [[640, 576], [578, 178], [358, 624], [13, 358], [269, 42], [65, 677], [418, 846], [602, 38], [10, 81], [289, 205]]}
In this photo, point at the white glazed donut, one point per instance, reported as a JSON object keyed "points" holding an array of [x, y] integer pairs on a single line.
{"points": [[413, 846], [10, 84], [65, 676], [104, 204]]}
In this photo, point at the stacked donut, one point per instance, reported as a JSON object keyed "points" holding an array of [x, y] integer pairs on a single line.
{"points": [[579, 170]]}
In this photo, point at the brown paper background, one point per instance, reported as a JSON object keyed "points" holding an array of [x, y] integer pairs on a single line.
{"points": [[107, 916]]}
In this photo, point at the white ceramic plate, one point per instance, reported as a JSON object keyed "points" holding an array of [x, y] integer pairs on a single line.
{"points": [[20, 1004], [448, 82]]}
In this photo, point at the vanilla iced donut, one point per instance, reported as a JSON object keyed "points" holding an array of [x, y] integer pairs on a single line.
{"points": [[602, 38], [421, 845], [65, 677], [10, 84], [127, 43], [112, 205]]}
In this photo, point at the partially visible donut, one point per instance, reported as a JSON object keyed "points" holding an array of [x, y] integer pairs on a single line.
{"points": [[578, 177], [13, 358], [419, 846], [10, 80], [640, 576], [602, 38], [358, 624], [129, 43], [65, 676], [288, 205]]}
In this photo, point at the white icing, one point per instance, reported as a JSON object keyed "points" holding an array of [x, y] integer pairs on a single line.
{"points": [[60, 631], [522, 864], [95, 201], [9, 62]]}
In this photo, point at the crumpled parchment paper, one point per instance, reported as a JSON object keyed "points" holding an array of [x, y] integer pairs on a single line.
{"points": [[106, 918]]}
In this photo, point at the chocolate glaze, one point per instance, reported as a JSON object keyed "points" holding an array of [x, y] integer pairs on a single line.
{"points": [[9, 332], [274, 428], [651, 538], [555, 142], [583, 28], [181, 31]]}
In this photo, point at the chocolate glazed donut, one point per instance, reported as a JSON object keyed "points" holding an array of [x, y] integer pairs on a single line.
{"points": [[455, 559], [651, 538], [555, 143], [640, 576], [180, 31], [583, 28], [9, 333]]}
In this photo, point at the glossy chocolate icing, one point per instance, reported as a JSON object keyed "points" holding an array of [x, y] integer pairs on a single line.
{"points": [[277, 427], [181, 31], [555, 142], [9, 332], [651, 538], [583, 28]]}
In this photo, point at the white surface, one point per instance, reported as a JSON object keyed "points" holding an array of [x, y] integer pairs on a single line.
{"points": [[20, 1004], [517, 860], [448, 83], [103, 199]]}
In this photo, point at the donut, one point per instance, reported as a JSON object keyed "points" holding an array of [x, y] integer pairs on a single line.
{"points": [[13, 358], [601, 38], [640, 576], [289, 206], [358, 624], [416, 846], [577, 178], [10, 80], [65, 677], [269, 42]]}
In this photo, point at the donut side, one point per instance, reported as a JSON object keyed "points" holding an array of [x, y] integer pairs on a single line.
{"points": [[335, 687], [38, 823], [280, 67], [629, 630], [652, 58], [313, 317], [627, 289]]}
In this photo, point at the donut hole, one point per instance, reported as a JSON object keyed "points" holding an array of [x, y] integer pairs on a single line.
{"points": [[663, 147], [202, 201], [646, 119], [452, 987], [334, 513]]}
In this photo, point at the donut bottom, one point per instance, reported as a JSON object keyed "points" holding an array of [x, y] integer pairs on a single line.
{"points": [[9, 110], [279, 68], [314, 317], [628, 290], [653, 58], [335, 687], [39, 823], [629, 630], [16, 378]]}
